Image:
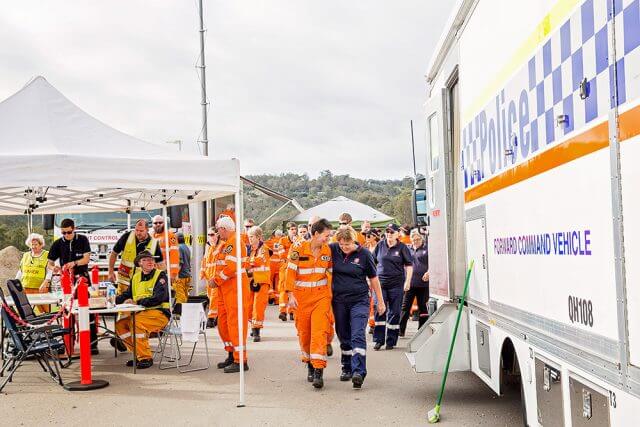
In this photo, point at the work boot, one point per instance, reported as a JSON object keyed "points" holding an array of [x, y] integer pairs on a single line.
{"points": [[345, 375], [357, 380], [329, 350], [116, 343], [228, 361], [377, 346], [370, 330], [388, 347], [144, 363], [234, 368], [212, 322], [291, 317], [310, 371], [318, 382], [256, 334], [283, 317]]}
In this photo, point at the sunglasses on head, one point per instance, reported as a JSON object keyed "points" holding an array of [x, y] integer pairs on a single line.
{"points": [[66, 233]]}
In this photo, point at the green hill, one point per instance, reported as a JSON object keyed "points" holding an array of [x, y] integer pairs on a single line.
{"points": [[392, 197]]}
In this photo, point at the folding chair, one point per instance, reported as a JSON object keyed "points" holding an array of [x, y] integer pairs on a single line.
{"points": [[174, 335], [23, 306], [37, 343]]}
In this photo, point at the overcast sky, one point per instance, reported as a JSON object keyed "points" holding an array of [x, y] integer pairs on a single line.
{"points": [[294, 85]]}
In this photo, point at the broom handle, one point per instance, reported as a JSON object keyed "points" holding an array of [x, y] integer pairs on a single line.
{"points": [[455, 332]]}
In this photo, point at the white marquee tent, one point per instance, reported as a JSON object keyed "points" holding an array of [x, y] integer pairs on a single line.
{"points": [[333, 208], [56, 158], [51, 149]]}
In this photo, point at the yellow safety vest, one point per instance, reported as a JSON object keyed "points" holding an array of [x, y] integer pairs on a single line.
{"points": [[144, 288], [129, 255], [34, 269]]}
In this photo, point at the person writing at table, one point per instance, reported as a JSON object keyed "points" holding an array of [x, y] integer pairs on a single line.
{"points": [[149, 288], [72, 252], [33, 273]]}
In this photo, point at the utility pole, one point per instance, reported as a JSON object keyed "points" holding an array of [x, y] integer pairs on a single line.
{"points": [[413, 154], [203, 84]]}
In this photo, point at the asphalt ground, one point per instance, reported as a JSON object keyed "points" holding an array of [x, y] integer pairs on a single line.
{"points": [[277, 392]]}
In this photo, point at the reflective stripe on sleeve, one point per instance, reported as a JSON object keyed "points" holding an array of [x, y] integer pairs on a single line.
{"points": [[223, 276], [292, 266], [318, 356], [305, 284], [312, 270], [231, 258]]}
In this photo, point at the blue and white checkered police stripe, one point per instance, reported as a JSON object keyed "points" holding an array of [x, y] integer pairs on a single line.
{"points": [[578, 50]]}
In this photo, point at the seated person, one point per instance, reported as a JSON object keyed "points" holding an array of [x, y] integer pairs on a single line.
{"points": [[149, 289]]}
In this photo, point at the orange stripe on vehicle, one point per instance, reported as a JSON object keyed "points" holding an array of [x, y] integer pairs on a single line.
{"points": [[578, 146], [587, 142]]}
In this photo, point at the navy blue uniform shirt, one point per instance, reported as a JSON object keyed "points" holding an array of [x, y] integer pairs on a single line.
{"points": [[350, 273], [391, 263], [420, 258]]}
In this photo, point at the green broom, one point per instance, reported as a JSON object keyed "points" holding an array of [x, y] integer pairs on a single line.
{"points": [[434, 414]]}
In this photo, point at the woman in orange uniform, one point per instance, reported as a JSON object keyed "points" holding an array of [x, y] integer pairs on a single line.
{"points": [[308, 287], [207, 271], [259, 275]]}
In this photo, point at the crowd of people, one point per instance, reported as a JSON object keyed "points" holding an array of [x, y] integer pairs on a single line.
{"points": [[325, 280]]}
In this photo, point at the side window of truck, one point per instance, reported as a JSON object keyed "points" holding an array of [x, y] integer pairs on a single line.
{"points": [[434, 146]]}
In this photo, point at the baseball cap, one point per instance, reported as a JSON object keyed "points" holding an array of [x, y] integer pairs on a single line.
{"points": [[392, 226]]}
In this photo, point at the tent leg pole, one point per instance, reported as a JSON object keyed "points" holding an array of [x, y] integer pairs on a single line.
{"points": [[167, 261], [239, 292]]}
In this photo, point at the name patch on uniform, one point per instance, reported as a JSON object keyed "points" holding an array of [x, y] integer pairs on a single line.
{"points": [[325, 258], [162, 281], [228, 249], [294, 255], [356, 261]]}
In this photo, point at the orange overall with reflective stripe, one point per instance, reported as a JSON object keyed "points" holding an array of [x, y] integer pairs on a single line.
{"points": [[207, 272], [309, 278], [260, 270], [225, 278]]}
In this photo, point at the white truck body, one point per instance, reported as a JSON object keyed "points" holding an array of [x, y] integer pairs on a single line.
{"points": [[533, 119]]}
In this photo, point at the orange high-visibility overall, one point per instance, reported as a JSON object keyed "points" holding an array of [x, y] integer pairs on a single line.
{"points": [[309, 278], [275, 261], [225, 279], [173, 261], [207, 271], [260, 271], [285, 244]]}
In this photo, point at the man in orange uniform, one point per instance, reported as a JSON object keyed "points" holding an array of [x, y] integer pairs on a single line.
{"points": [[275, 261], [285, 245], [173, 260], [207, 271], [225, 279], [259, 274], [308, 286]]}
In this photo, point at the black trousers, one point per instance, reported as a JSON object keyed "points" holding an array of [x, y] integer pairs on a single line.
{"points": [[422, 296]]}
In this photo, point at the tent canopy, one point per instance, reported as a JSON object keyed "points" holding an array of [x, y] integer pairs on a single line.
{"points": [[332, 209], [54, 157]]}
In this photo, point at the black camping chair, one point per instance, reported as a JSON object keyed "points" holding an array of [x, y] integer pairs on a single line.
{"points": [[26, 313], [22, 304], [37, 343]]}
